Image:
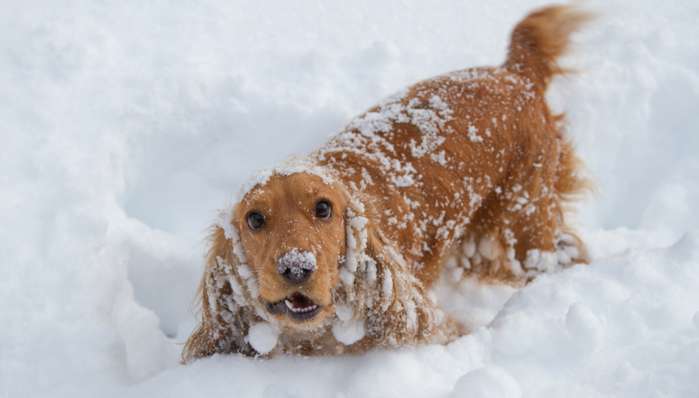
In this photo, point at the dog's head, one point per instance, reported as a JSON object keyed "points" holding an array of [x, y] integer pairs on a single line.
{"points": [[300, 251], [292, 232]]}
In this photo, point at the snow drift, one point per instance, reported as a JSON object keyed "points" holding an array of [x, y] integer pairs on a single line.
{"points": [[126, 126]]}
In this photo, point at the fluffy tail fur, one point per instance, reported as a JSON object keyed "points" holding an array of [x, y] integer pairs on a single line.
{"points": [[540, 38]]}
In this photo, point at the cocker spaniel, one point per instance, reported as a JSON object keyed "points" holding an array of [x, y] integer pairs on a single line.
{"points": [[337, 251]]}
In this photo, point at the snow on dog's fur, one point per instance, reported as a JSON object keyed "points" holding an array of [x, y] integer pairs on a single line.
{"points": [[468, 171]]}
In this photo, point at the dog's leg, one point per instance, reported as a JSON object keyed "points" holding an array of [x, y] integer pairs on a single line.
{"points": [[520, 230], [535, 215]]}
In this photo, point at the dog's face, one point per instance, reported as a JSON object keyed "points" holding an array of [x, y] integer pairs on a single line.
{"points": [[292, 230]]}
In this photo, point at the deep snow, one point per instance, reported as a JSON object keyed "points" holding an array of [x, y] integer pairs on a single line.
{"points": [[126, 125]]}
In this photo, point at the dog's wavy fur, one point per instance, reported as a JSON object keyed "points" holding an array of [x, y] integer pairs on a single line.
{"points": [[468, 171]]}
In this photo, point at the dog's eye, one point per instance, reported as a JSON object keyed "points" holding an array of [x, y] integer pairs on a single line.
{"points": [[256, 220], [324, 209]]}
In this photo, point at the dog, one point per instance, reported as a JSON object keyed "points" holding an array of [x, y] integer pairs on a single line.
{"points": [[336, 252]]}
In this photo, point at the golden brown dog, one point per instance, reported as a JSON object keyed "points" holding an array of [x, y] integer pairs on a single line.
{"points": [[336, 252]]}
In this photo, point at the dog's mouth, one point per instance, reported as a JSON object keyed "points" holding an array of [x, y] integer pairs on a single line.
{"points": [[296, 305]]}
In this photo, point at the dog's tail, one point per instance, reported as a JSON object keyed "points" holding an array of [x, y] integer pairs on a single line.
{"points": [[540, 38]]}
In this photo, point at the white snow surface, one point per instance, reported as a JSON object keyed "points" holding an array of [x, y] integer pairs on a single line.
{"points": [[125, 126]]}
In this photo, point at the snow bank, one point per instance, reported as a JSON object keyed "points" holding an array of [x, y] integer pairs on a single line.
{"points": [[125, 127]]}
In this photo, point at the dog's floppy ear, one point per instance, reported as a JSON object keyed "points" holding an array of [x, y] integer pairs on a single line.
{"points": [[227, 295], [378, 287]]}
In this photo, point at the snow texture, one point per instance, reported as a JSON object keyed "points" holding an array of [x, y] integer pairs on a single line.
{"points": [[263, 337], [487, 382], [348, 332], [297, 261], [125, 126]]}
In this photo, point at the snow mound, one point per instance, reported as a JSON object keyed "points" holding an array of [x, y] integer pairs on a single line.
{"points": [[488, 382]]}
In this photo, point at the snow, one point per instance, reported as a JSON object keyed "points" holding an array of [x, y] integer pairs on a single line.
{"points": [[263, 337], [473, 134], [487, 382], [348, 332], [296, 260], [124, 128]]}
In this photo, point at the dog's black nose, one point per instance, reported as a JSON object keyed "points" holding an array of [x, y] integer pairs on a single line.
{"points": [[296, 275], [296, 266]]}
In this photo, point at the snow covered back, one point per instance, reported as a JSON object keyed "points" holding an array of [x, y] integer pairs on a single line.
{"points": [[125, 126]]}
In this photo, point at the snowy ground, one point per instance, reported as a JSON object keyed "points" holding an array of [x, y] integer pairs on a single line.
{"points": [[125, 125]]}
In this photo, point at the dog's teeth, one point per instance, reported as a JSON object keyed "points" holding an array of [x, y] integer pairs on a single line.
{"points": [[291, 307]]}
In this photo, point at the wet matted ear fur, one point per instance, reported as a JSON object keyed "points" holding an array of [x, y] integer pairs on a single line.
{"points": [[379, 290], [227, 294]]}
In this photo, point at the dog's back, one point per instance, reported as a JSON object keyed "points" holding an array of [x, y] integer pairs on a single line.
{"points": [[472, 155]]}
